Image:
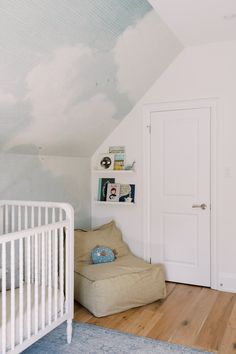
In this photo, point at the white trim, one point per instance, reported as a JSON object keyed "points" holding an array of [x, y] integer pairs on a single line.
{"points": [[227, 282], [211, 103], [99, 202]]}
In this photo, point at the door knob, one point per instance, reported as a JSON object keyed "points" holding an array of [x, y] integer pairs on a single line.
{"points": [[202, 206]]}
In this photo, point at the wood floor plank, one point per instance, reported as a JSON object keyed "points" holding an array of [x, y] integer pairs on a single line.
{"points": [[113, 321], [81, 314], [149, 320], [194, 317], [212, 331], [173, 311], [170, 287], [228, 344]]}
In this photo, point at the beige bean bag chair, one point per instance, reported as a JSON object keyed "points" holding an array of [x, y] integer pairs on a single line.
{"points": [[117, 286]]}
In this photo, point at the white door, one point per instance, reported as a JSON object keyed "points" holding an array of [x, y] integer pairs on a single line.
{"points": [[180, 194]]}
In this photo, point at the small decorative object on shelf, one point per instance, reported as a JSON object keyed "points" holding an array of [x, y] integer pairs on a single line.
{"points": [[119, 156], [130, 167], [105, 162]]}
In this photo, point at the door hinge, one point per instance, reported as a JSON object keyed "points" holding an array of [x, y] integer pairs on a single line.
{"points": [[149, 128]]}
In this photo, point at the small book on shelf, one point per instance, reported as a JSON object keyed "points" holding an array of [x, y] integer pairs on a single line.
{"points": [[102, 188], [127, 193], [113, 192], [119, 156]]}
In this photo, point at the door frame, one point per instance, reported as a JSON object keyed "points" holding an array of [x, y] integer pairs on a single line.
{"points": [[212, 104]]}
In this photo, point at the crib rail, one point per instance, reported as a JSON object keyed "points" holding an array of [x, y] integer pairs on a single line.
{"points": [[36, 264]]}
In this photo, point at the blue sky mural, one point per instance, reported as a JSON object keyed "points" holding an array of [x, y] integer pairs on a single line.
{"points": [[70, 70]]}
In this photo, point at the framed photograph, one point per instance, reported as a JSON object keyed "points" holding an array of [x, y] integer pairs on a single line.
{"points": [[113, 192], [105, 162]]}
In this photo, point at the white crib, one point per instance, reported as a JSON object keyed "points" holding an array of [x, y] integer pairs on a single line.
{"points": [[36, 271]]}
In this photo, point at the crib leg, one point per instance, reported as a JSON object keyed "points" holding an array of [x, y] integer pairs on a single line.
{"points": [[69, 331]]}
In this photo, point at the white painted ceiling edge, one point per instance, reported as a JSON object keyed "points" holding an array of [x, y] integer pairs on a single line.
{"points": [[197, 22]]}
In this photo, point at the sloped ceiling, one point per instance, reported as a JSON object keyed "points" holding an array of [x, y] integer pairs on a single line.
{"points": [[70, 70], [197, 22]]}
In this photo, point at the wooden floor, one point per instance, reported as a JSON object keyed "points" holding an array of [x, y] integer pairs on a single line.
{"points": [[190, 315]]}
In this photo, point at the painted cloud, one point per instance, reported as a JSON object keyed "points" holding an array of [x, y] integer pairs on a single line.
{"points": [[70, 71], [65, 116]]}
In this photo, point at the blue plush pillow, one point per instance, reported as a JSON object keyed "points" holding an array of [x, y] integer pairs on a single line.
{"points": [[101, 254]]}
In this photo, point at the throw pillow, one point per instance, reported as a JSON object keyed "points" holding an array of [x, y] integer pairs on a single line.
{"points": [[109, 235], [102, 254]]}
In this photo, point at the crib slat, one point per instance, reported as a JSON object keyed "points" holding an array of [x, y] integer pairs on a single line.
{"points": [[46, 215], [21, 291], [49, 278], [55, 272], [26, 217], [32, 244], [12, 218], [39, 243], [53, 215], [12, 295], [28, 287], [19, 218], [46, 243], [36, 285], [4, 298], [39, 216], [6, 219], [61, 266], [43, 280], [32, 216], [55, 255], [21, 324]]}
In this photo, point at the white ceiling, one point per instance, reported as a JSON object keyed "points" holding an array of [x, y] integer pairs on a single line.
{"points": [[197, 22]]}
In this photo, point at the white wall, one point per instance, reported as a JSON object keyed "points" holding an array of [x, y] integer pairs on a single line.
{"points": [[48, 178], [198, 72]]}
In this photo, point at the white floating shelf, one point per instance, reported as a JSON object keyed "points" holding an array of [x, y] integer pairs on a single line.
{"points": [[114, 203], [114, 171]]}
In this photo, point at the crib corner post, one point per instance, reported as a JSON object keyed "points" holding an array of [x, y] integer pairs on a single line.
{"points": [[69, 331]]}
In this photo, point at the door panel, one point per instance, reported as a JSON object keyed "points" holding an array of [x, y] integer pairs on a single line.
{"points": [[180, 178]]}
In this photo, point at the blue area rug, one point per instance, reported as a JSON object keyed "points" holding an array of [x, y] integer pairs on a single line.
{"points": [[90, 339]]}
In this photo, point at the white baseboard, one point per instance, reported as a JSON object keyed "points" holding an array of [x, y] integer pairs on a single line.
{"points": [[227, 282]]}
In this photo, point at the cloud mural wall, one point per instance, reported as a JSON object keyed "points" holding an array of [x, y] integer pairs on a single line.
{"points": [[48, 178], [71, 70]]}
